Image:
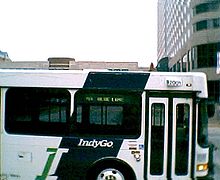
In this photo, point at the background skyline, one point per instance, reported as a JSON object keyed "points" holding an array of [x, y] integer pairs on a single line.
{"points": [[94, 30]]}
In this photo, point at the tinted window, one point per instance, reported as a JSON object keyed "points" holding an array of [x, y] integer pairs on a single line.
{"points": [[201, 25], [207, 55], [37, 111], [107, 113], [182, 138], [157, 138], [203, 124], [206, 7]]}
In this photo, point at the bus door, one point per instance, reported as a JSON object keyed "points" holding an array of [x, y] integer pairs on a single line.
{"points": [[169, 138]]}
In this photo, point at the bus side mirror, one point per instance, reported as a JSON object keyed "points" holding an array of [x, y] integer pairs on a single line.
{"points": [[211, 110]]}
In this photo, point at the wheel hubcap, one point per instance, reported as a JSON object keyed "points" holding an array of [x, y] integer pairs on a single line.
{"points": [[110, 174]]}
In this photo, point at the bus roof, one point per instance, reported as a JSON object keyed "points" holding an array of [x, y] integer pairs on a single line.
{"points": [[103, 79]]}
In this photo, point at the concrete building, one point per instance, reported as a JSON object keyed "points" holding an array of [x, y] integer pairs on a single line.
{"points": [[70, 63], [189, 36]]}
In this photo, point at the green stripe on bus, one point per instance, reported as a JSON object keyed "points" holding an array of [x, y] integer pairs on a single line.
{"points": [[47, 167]]}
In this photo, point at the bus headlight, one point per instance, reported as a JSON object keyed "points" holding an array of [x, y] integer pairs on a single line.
{"points": [[202, 167]]}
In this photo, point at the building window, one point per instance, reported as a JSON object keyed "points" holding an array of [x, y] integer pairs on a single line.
{"points": [[216, 23], [194, 57], [207, 55], [189, 60], [218, 62], [214, 89], [184, 65], [178, 66], [174, 68], [206, 24], [201, 25], [206, 7]]}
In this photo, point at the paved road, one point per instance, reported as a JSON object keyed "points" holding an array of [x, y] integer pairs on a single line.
{"points": [[214, 137]]}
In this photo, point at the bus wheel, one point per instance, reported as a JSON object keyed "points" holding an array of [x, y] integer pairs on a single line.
{"points": [[110, 174], [111, 170]]}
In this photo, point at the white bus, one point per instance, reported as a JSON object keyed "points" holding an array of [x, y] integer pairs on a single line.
{"points": [[69, 125]]}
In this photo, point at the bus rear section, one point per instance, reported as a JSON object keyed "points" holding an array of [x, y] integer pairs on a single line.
{"points": [[103, 125]]}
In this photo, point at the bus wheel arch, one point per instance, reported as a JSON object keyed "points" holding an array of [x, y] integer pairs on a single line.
{"points": [[110, 167]]}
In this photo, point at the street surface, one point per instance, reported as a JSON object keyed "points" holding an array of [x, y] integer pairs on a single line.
{"points": [[214, 138]]}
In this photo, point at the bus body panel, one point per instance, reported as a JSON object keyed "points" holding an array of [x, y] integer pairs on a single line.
{"points": [[54, 156], [25, 157], [42, 78], [181, 82], [44, 156]]}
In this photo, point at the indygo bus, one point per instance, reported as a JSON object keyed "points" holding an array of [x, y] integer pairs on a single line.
{"points": [[102, 125]]}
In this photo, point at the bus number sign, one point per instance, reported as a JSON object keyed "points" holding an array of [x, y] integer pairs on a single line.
{"points": [[174, 82]]}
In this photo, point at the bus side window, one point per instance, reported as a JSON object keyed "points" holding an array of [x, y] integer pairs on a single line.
{"points": [[182, 138], [157, 138], [107, 113], [158, 114], [37, 111], [182, 115], [79, 114]]}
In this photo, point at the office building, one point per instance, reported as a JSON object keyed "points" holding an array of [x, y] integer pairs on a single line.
{"points": [[189, 37], [64, 63]]}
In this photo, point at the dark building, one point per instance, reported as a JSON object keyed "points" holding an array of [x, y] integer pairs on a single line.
{"points": [[162, 64]]}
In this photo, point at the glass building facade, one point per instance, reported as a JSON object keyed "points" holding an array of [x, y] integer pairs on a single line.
{"points": [[189, 36]]}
